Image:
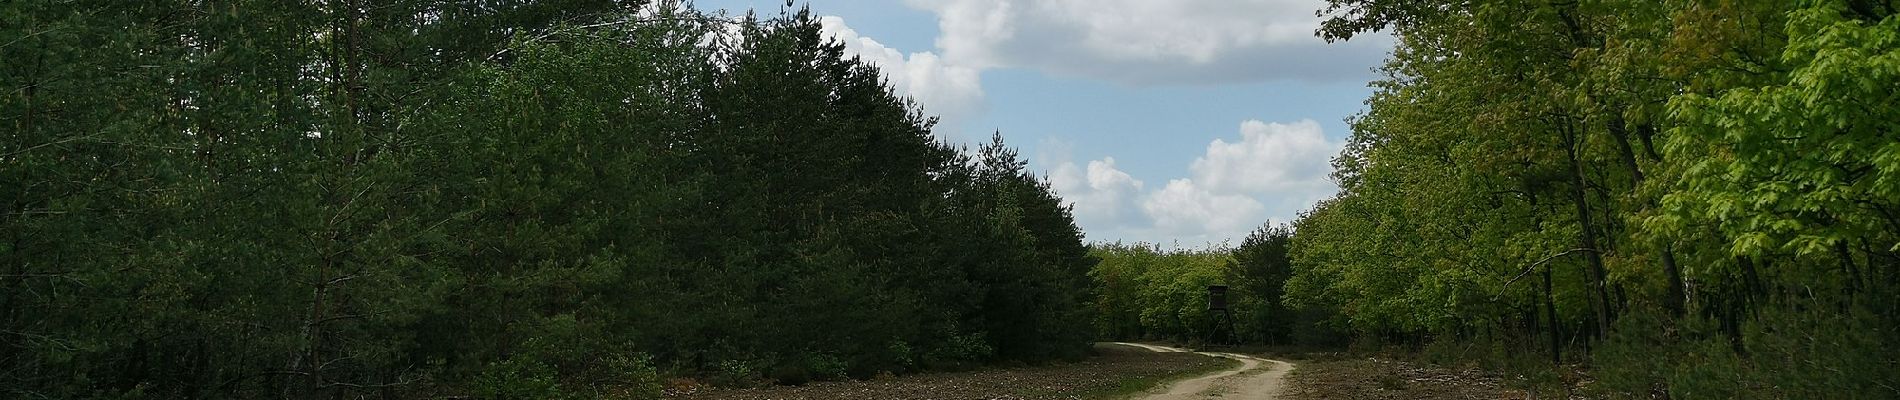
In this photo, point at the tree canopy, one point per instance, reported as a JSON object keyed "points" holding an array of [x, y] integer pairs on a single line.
{"points": [[1677, 186], [528, 199]]}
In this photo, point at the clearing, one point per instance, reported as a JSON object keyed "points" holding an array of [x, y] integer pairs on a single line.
{"points": [[1113, 373], [1144, 371], [1256, 378]]}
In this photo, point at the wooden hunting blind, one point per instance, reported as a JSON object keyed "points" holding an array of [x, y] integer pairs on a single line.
{"points": [[1216, 297]]}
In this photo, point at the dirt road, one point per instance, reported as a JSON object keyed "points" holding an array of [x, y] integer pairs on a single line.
{"points": [[1114, 369], [1257, 378]]}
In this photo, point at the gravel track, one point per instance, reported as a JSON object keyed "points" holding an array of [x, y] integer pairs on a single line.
{"points": [[1114, 366], [1256, 378]]}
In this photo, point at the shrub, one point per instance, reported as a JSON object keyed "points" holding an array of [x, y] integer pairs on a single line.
{"points": [[790, 374], [1792, 351], [960, 352], [519, 378], [826, 367], [736, 374], [629, 377], [900, 354]]}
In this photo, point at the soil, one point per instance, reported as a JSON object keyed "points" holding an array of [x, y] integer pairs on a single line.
{"points": [[1138, 370], [1255, 378], [1111, 372], [1381, 379]]}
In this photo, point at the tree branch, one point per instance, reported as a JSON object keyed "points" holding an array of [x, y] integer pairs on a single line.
{"points": [[52, 143], [1527, 269], [551, 33]]}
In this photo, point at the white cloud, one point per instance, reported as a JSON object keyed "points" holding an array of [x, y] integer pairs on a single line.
{"points": [[952, 92], [1272, 171], [1188, 209], [1150, 41], [1270, 158], [1101, 193]]}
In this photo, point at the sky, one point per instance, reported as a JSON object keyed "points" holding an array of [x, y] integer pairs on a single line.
{"points": [[1184, 123]]}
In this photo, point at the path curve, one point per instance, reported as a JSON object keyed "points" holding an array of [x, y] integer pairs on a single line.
{"points": [[1257, 378]]}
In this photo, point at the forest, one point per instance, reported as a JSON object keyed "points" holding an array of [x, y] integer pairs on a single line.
{"points": [[1697, 199], [1146, 292], [554, 199], [584, 198], [1675, 199]]}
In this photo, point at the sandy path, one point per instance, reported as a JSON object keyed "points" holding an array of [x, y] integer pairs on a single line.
{"points": [[1257, 378]]}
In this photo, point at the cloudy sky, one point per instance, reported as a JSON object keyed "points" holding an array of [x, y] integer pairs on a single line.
{"points": [[1180, 122]]}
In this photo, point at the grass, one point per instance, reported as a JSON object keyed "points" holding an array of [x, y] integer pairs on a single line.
{"points": [[1115, 371], [1128, 387], [1386, 379]]}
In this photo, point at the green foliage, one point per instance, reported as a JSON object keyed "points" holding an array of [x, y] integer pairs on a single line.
{"points": [[1700, 193], [1147, 293], [738, 374], [961, 352], [1792, 353], [514, 379], [826, 367], [821, 367], [291, 199], [627, 377], [1262, 267], [1144, 292]]}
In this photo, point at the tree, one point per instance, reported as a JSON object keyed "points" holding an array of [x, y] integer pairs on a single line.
{"points": [[530, 199], [1708, 172], [1260, 271]]}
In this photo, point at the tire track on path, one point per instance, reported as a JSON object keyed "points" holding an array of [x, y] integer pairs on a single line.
{"points": [[1256, 378]]}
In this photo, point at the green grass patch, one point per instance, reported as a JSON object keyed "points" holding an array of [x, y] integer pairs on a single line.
{"points": [[1127, 387]]}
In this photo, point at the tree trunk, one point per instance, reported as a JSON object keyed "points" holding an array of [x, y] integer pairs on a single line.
{"points": [[1677, 298], [1647, 134], [1847, 263], [1588, 229], [1556, 331], [1752, 278], [1732, 325], [1626, 152], [1619, 130]]}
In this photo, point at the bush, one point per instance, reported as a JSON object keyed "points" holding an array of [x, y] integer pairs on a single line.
{"points": [[1812, 352], [790, 374], [629, 377], [519, 378], [961, 352], [826, 367], [900, 354], [1792, 351], [810, 367], [1638, 356], [736, 374]]}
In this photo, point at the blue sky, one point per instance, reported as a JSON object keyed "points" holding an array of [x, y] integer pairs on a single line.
{"points": [[1176, 121]]}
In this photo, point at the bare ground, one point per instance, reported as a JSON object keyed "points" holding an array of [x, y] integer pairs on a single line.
{"points": [[1134, 370], [1255, 378], [1382, 379], [1115, 370]]}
